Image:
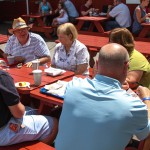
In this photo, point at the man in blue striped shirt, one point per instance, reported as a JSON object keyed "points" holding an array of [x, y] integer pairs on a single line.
{"points": [[26, 46]]}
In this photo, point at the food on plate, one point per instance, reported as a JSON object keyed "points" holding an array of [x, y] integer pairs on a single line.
{"points": [[22, 84]]}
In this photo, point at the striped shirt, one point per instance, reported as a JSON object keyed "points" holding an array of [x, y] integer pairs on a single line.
{"points": [[35, 47]]}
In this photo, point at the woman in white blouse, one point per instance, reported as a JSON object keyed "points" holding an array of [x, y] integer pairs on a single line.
{"points": [[70, 54]]}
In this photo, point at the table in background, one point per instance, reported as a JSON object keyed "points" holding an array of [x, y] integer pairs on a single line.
{"points": [[94, 44], [38, 24], [95, 22], [97, 42], [145, 30], [3, 38]]}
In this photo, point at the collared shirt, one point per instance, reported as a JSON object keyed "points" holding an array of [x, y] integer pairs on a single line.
{"points": [[97, 111], [121, 14], [139, 62], [77, 55], [72, 11], [35, 47]]}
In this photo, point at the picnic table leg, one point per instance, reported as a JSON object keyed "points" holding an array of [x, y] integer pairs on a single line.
{"points": [[99, 27], [143, 32], [79, 25]]}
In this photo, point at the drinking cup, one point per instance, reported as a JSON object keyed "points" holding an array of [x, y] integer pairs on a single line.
{"points": [[11, 60], [147, 20], [37, 74], [35, 64], [90, 13]]}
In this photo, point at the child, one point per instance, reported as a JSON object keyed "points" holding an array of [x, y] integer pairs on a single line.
{"points": [[63, 16]]}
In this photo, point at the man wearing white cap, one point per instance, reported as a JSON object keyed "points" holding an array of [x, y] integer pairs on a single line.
{"points": [[26, 46]]}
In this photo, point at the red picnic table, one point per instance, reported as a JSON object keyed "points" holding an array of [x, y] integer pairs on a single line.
{"points": [[49, 99], [95, 22], [3, 38], [38, 24], [95, 42], [145, 30]]}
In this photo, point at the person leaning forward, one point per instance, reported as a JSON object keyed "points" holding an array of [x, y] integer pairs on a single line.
{"points": [[19, 124], [97, 113], [26, 46]]}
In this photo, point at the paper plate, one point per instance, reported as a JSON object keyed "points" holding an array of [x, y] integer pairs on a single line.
{"points": [[54, 71], [24, 84]]}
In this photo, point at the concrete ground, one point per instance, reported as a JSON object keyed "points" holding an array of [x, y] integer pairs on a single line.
{"points": [[4, 26]]}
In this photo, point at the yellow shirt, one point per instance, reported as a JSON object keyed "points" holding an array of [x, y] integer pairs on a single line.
{"points": [[139, 62]]}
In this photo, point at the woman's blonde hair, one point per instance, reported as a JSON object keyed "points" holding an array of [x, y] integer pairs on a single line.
{"points": [[67, 29], [123, 37]]}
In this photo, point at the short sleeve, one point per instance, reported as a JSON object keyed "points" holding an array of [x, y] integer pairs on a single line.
{"points": [[138, 62], [41, 48], [8, 91]]}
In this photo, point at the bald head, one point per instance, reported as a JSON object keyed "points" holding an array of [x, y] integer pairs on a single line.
{"points": [[112, 60]]}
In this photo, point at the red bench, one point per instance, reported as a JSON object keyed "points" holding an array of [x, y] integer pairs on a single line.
{"points": [[28, 146], [3, 38]]}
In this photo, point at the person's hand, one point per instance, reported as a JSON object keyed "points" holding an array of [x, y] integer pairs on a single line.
{"points": [[125, 85], [28, 64], [148, 15], [110, 6], [19, 59], [143, 92], [91, 9], [50, 12]]}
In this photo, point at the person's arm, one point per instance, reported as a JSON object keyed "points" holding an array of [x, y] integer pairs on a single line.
{"points": [[10, 95], [109, 9], [81, 68], [43, 60], [17, 110], [133, 77], [82, 59], [61, 14], [144, 94], [85, 13], [39, 10], [138, 16]]}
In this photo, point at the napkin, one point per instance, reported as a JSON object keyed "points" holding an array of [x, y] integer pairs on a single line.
{"points": [[3, 63], [58, 88], [54, 71]]}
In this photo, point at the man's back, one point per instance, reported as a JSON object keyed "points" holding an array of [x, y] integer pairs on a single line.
{"points": [[98, 114], [121, 14], [72, 12]]}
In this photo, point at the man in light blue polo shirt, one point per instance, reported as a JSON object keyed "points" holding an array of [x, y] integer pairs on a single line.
{"points": [[97, 113], [71, 10]]}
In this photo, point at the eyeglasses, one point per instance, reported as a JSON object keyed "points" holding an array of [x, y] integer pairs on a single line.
{"points": [[21, 30]]}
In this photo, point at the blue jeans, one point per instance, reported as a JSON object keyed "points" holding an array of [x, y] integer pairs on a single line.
{"points": [[109, 25]]}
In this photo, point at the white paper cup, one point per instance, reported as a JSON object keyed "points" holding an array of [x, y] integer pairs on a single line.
{"points": [[37, 74], [11, 60], [35, 64], [90, 13], [147, 20]]}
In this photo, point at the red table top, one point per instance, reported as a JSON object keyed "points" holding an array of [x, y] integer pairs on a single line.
{"points": [[3, 38], [48, 98], [26, 90], [88, 18], [98, 41], [27, 73]]}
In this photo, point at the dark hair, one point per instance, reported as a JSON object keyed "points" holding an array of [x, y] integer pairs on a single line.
{"points": [[122, 36]]}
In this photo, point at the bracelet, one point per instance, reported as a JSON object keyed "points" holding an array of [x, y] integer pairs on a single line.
{"points": [[146, 98]]}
